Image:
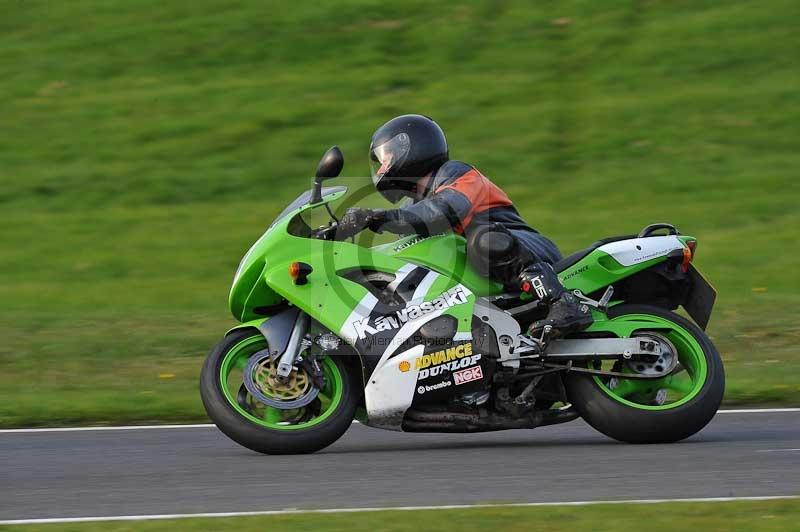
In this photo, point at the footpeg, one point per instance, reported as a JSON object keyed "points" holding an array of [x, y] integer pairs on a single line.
{"points": [[546, 330], [601, 305]]}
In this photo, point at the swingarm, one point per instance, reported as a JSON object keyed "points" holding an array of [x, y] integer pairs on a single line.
{"points": [[650, 356]]}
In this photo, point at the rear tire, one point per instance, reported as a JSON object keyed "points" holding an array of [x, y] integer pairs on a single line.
{"points": [[639, 425], [263, 439]]}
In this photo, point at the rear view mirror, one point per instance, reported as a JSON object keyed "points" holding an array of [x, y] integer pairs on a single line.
{"points": [[330, 165]]}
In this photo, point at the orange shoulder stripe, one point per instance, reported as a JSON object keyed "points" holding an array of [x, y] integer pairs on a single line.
{"points": [[481, 193]]}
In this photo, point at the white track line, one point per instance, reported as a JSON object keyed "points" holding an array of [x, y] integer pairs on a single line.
{"points": [[118, 427], [211, 425], [778, 450], [758, 411], [383, 509]]}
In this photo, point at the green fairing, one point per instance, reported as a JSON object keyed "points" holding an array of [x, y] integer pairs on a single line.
{"points": [[327, 298], [447, 255], [252, 324], [247, 292]]}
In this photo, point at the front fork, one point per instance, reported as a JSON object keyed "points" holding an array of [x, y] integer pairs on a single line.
{"points": [[294, 346], [285, 335]]}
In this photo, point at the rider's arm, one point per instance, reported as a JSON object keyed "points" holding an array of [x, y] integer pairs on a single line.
{"points": [[439, 213]]}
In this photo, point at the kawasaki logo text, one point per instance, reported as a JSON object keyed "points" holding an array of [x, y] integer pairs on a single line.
{"points": [[454, 296]]}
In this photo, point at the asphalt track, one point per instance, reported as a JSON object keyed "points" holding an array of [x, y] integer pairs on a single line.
{"points": [[62, 474]]}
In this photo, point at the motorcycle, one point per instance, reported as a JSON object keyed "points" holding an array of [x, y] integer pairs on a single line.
{"points": [[406, 336]]}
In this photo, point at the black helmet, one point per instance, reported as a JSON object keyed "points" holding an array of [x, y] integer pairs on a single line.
{"points": [[403, 150]]}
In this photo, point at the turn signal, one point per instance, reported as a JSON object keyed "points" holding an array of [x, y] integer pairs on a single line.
{"points": [[299, 271]]}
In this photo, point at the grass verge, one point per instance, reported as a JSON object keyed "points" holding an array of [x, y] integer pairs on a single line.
{"points": [[774, 515]]}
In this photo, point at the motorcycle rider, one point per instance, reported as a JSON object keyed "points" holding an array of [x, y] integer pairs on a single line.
{"points": [[409, 158]]}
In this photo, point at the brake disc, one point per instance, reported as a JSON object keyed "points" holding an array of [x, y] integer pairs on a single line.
{"points": [[261, 380]]}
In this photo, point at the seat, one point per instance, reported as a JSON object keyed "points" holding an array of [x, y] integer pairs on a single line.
{"points": [[569, 260]]}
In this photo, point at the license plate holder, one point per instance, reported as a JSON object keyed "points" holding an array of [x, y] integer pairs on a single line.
{"points": [[701, 298]]}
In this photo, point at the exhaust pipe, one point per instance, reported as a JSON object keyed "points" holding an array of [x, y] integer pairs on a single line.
{"points": [[482, 421]]}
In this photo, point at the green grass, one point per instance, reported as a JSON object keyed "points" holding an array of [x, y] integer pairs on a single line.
{"points": [[777, 515], [144, 145]]}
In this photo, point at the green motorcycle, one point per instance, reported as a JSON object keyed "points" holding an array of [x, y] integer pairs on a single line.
{"points": [[407, 336]]}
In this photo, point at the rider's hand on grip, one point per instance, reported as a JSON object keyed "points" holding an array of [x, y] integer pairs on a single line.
{"points": [[354, 221]]}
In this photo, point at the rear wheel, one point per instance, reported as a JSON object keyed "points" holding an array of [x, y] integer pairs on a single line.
{"points": [[230, 401], [661, 410]]}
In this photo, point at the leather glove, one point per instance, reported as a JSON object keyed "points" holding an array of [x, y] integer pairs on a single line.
{"points": [[356, 219]]}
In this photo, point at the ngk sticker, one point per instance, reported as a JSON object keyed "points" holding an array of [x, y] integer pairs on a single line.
{"points": [[468, 375]]}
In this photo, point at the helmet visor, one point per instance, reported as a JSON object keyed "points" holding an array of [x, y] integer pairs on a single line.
{"points": [[387, 156]]}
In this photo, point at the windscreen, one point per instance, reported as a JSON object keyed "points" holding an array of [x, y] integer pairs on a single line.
{"points": [[303, 199]]}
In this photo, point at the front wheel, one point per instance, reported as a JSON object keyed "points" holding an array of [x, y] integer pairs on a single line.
{"points": [[266, 429], [661, 410]]}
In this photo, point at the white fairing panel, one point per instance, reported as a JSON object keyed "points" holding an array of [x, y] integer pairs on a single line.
{"points": [[390, 391], [637, 250]]}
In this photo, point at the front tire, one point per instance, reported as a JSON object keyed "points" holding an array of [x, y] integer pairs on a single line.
{"points": [[270, 430], [633, 418]]}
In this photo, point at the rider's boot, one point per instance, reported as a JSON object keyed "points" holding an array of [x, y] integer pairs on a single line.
{"points": [[565, 313]]}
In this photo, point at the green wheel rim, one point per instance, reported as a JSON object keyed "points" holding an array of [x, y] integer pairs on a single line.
{"points": [[681, 387], [231, 373]]}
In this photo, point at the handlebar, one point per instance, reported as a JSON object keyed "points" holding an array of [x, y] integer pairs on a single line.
{"points": [[325, 233]]}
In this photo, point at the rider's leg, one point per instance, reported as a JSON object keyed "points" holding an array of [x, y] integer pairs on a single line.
{"points": [[565, 313], [500, 255]]}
